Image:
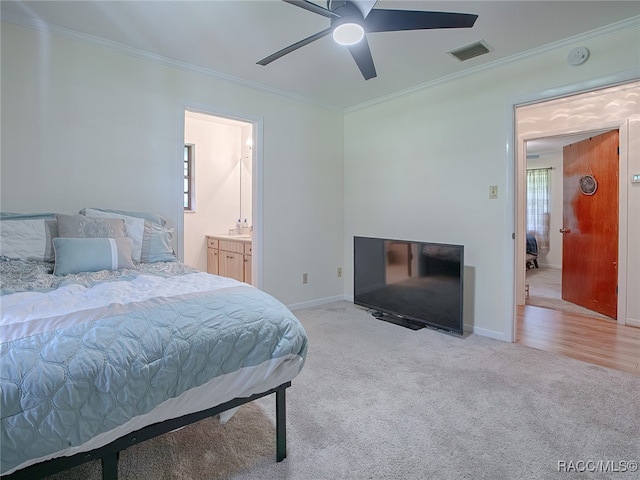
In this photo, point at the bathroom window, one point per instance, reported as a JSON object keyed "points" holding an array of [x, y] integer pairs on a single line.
{"points": [[189, 178]]}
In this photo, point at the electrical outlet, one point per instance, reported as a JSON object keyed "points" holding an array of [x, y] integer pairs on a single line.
{"points": [[493, 191], [339, 271], [305, 278]]}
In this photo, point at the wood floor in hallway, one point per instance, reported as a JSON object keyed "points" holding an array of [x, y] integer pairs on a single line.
{"points": [[592, 340]]}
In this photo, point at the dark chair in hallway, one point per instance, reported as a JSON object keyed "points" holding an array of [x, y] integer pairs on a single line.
{"points": [[532, 251]]}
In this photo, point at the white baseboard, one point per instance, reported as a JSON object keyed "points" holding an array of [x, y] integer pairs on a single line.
{"points": [[349, 298], [634, 322], [484, 332], [317, 302]]}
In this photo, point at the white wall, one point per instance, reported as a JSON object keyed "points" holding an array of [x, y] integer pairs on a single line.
{"points": [[86, 126], [419, 166], [552, 257], [218, 150]]}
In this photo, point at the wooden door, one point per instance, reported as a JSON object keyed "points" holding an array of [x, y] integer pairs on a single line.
{"points": [[212, 261], [232, 265], [590, 223], [248, 251], [212, 255], [247, 269]]}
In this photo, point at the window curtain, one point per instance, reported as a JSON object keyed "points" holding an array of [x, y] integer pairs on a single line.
{"points": [[538, 205]]}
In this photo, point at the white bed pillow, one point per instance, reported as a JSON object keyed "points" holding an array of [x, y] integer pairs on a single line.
{"points": [[28, 236]]}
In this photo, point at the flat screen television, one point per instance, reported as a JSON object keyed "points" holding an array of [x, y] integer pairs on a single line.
{"points": [[415, 284]]}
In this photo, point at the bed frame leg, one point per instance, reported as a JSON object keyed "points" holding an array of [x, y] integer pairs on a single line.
{"points": [[281, 425], [110, 466]]}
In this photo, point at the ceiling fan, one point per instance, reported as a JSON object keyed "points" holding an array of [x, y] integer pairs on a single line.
{"points": [[351, 20]]}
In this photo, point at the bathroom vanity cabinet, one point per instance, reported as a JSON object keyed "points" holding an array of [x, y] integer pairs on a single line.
{"points": [[229, 256]]}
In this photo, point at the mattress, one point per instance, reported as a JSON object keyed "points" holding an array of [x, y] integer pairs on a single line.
{"points": [[90, 357]]}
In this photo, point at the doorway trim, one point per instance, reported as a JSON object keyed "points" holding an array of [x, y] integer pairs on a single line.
{"points": [[515, 169], [257, 191]]}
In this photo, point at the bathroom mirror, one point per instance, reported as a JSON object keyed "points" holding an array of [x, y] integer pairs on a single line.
{"points": [[245, 172]]}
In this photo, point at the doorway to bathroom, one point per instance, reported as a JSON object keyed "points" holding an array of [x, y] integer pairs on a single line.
{"points": [[218, 183]]}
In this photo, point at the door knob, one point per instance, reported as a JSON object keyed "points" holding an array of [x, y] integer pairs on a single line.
{"points": [[564, 230]]}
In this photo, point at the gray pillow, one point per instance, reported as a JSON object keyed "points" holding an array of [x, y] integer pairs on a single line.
{"points": [[79, 226], [151, 242], [152, 217]]}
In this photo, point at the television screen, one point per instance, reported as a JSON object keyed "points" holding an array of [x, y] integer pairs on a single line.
{"points": [[418, 282]]}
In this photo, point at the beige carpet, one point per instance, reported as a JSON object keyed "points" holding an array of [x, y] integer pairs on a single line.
{"points": [[379, 401], [545, 290], [204, 450]]}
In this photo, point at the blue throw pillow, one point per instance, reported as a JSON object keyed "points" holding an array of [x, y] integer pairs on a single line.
{"points": [[74, 255]]}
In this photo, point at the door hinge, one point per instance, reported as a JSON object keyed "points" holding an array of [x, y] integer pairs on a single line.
{"points": [[618, 150]]}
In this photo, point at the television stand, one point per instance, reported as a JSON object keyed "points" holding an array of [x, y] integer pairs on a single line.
{"points": [[403, 322]]}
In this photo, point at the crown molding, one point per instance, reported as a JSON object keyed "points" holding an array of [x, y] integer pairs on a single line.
{"points": [[67, 33], [632, 22], [40, 25]]}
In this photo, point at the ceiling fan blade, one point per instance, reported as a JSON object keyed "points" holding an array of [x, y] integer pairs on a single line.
{"points": [[362, 55], [295, 46], [365, 6], [396, 20], [312, 7]]}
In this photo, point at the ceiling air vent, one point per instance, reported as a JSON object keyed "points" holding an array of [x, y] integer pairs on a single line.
{"points": [[472, 50]]}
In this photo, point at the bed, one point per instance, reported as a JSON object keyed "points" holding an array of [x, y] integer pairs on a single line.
{"points": [[531, 260], [95, 359]]}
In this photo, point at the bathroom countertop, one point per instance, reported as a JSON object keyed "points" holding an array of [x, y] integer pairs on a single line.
{"points": [[234, 238]]}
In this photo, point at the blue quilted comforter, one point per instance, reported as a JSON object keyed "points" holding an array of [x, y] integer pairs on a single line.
{"points": [[100, 356]]}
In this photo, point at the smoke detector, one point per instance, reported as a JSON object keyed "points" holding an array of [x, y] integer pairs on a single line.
{"points": [[578, 56]]}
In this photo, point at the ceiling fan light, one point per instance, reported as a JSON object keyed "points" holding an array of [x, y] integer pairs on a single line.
{"points": [[348, 33]]}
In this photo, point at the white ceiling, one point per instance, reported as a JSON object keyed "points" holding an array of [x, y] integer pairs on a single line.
{"points": [[227, 38], [552, 146]]}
